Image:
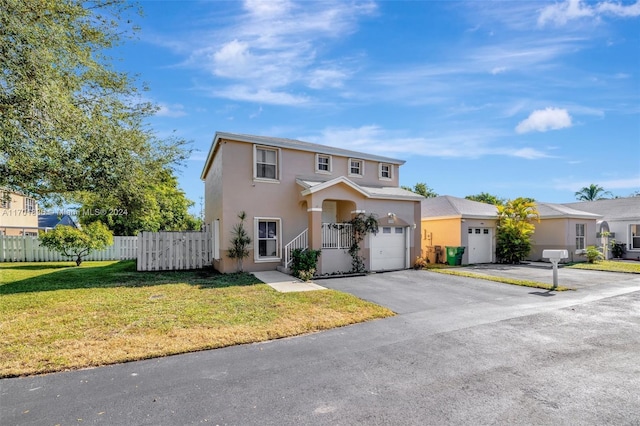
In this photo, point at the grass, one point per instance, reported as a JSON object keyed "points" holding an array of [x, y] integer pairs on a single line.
{"points": [[55, 316], [610, 266], [448, 270]]}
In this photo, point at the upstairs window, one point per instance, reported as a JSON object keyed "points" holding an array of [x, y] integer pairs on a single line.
{"points": [[580, 236], [356, 167], [266, 163], [385, 171], [323, 163], [29, 205], [5, 200]]}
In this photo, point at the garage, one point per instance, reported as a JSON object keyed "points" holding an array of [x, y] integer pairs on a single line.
{"points": [[389, 248], [480, 245]]}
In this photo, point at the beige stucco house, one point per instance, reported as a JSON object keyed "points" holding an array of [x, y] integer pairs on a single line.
{"points": [[564, 228], [18, 214], [297, 194]]}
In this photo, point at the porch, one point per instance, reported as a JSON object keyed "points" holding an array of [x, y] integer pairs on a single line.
{"points": [[337, 238]]}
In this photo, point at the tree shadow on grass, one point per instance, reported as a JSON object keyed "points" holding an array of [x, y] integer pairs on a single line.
{"points": [[32, 267], [117, 274]]}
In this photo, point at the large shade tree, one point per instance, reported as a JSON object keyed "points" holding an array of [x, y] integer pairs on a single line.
{"points": [[69, 122], [141, 205], [592, 192]]}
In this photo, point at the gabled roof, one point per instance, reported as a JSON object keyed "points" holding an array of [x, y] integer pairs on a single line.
{"points": [[555, 211], [386, 192], [613, 209], [291, 144], [50, 221], [449, 206]]}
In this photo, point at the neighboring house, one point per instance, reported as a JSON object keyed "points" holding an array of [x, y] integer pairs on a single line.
{"points": [[300, 194], [454, 222], [47, 222], [18, 214], [621, 216], [458, 222], [563, 228]]}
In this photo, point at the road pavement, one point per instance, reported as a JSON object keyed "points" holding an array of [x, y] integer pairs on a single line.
{"points": [[460, 351]]}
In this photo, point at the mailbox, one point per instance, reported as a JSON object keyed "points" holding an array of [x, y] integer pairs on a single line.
{"points": [[555, 255]]}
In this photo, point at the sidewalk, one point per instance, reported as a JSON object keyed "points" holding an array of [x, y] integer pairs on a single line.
{"points": [[285, 283]]}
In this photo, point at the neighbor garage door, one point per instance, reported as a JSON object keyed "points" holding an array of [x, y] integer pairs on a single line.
{"points": [[389, 248], [480, 245]]}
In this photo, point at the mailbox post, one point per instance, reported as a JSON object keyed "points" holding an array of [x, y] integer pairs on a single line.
{"points": [[555, 256]]}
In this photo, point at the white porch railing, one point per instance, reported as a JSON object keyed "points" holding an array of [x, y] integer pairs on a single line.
{"points": [[336, 235], [299, 242]]}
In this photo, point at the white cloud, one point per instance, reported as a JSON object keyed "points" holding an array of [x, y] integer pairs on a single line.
{"points": [[561, 13], [322, 78], [471, 143], [529, 154], [545, 119], [173, 110], [498, 70], [619, 9], [232, 59], [274, 45], [265, 96]]}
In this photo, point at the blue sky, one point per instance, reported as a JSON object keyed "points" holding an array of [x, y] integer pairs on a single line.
{"points": [[514, 98]]}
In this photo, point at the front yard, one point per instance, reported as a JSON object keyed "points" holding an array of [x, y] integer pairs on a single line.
{"points": [[55, 316]]}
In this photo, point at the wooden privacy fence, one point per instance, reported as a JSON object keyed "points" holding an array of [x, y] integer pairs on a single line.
{"points": [[28, 249], [171, 250]]}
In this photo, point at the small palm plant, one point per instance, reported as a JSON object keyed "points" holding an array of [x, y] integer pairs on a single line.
{"points": [[239, 242], [593, 254]]}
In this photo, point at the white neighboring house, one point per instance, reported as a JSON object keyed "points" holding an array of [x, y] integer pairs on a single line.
{"points": [[621, 216]]}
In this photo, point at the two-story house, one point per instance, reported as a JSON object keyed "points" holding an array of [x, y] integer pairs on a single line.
{"points": [[300, 194], [18, 214]]}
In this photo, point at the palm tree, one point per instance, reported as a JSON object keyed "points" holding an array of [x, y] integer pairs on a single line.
{"points": [[592, 192]]}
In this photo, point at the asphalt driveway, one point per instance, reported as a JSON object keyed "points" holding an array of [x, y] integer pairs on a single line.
{"points": [[414, 291], [461, 351]]}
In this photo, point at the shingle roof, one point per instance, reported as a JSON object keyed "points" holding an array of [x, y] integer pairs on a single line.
{"points": [[386, 192], [46, 221], [294, 144], [551, 211], [447, 205], [612, 209]]}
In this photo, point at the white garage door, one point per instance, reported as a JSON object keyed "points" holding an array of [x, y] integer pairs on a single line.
{"points": [[389, 248], [480, 245]]}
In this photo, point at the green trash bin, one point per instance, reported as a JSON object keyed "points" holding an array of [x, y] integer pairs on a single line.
{"points": [[454, 255]]}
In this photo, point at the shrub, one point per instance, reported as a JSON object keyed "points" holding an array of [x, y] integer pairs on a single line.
{"points": [[239, 242], [593, 254], [420, 263], [617, 249], [304, 263]]}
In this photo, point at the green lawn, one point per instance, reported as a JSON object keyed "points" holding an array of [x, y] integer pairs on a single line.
{"points": [[450, 270], [55, 316], [609, 265]]}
